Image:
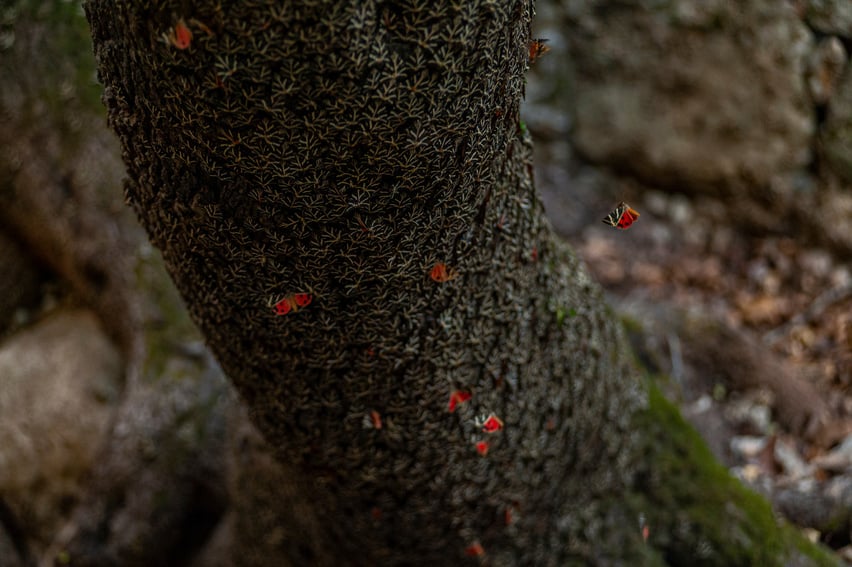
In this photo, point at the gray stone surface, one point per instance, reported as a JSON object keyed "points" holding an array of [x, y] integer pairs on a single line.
{"points": [[825, 67], [830, 16], [59, 381], [689, 90]]}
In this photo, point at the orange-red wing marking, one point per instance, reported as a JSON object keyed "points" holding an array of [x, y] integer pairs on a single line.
{"points": [[622, 216]]}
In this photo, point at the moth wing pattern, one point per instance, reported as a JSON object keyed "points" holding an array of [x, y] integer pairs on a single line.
{"points": [[622, 216]]}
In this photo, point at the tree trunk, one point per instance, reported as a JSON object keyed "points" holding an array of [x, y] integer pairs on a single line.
{"points": [[344, 151], [343, 195]]}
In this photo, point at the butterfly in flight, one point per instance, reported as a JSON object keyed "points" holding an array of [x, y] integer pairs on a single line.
{"points": [[622, 216]]}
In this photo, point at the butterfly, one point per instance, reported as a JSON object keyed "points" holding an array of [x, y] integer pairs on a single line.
{"points": [[492, 424], [442, 274], [293, 303], [622, 216], [458, 397], [537, 49], [180, 36]]}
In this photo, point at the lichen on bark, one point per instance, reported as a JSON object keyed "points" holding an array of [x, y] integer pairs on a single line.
{"points": [[343, 150]]}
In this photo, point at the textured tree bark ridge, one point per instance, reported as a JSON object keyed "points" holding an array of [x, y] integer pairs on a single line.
{"points": [[342, 151]]}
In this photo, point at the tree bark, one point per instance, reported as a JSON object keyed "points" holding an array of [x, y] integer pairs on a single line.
{"points": [[343, 151]]}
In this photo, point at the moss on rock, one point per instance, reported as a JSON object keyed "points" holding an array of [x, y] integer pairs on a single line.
{"points": [[696, 512]]}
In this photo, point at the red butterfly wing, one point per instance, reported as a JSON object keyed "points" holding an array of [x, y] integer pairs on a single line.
{"points": [[283, 307], [622, 216], [628, 217]]}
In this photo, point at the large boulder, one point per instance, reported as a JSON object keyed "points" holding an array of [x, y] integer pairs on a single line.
{"points": [[691, 91], [59, 383], [830, 16]]}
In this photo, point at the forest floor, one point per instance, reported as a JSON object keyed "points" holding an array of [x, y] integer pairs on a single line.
{"points": [[752, 330]]}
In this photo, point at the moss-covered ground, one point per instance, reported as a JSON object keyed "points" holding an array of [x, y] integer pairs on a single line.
{"points": [[696, 513]]}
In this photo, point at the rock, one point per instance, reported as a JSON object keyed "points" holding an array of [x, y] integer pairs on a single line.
{"points": [[817, 262], [839, 489], [689, 90], [827, 509], [837, 130], [825, 66], [747, 446], [58, 387], [837, 460], [840, 277], [787, 456], [749, 414], [162, 475], [749, 473], [830, 16]]}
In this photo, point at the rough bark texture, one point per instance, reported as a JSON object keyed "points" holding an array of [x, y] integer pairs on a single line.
{"points": [[343, 150]]}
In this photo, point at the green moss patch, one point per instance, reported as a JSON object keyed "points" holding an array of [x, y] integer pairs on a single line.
{"points": [[697, 514]]}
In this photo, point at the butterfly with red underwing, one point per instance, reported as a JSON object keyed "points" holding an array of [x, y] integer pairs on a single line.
{"points": [[537, 49], [622, 216]]}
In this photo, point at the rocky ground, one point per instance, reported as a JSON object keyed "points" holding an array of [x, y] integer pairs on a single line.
{"points": [[736, 282], [736, 287], [753, 334]]}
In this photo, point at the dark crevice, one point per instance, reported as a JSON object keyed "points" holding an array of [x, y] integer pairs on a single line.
{"points": [[9, 524], [206, 511]]}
